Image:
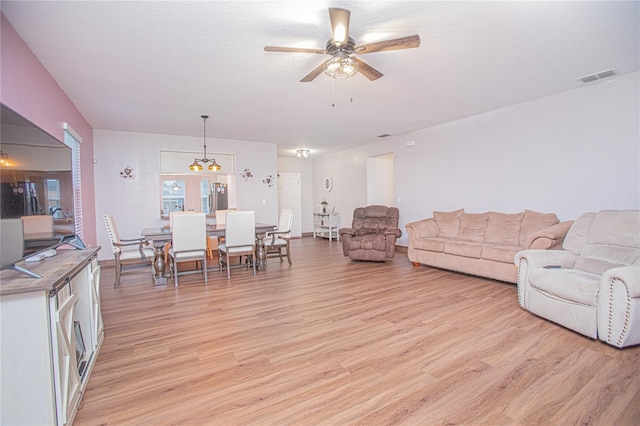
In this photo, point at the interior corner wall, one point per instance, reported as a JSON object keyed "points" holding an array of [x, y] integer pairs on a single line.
{"points": [[29, 90], [304, 168], [568, 153]]}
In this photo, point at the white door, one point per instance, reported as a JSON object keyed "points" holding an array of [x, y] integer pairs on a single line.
{"points": [[380, 180], [289, 198]]}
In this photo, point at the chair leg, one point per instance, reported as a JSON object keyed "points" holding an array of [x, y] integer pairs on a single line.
{"points": [[253, 262], [280, 253], [118, 272], [228, 267], [204, 262], [288, 253], [175, 271]]}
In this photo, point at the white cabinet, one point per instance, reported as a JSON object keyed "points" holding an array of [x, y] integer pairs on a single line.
{"points": [[45, 324], [326, 225]]}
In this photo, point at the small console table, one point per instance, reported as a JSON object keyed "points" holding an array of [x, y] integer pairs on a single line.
{"points": [[52, 331], [326, 225]]}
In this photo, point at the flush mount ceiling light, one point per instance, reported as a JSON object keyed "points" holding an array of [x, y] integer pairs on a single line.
{"points": [[196, 166], [302, 153]]}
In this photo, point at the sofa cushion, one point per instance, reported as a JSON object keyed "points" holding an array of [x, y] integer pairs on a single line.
{"points": [[618, 227], [430, 244], [567, 284], [503, 228], [448, 222], [534, 221], [463, 248], [368, 242], [599, 258], [472, 227], [576, 238], [500, 253]]}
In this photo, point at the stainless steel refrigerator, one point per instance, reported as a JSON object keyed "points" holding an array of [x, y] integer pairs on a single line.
{"points": [[19, 199], [218, 197]]}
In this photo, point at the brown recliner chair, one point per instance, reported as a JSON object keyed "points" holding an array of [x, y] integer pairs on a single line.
{"points": [[372, 235]]}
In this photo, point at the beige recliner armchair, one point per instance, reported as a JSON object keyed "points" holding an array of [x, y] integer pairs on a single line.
{"points": [[592, 285], [372, 235]]}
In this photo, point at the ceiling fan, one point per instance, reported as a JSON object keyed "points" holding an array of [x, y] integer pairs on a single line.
{"points": [[341, 47]]}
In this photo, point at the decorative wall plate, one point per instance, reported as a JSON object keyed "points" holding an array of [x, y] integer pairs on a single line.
{"points": [[327, 183]]}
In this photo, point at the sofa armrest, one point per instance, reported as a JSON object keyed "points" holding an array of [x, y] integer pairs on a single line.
{"points": [[550, 237], [397, 232], [528, 260], [619, 306], [347, 231], [422, 228]]}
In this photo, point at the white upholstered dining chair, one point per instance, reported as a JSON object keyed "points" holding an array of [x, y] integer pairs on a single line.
{"points": [[278, 240], [133, 252], [239, 239], [188, 242]]}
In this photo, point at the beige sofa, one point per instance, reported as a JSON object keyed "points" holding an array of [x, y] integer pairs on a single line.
{"points": [[482, 244], [592, 285]]}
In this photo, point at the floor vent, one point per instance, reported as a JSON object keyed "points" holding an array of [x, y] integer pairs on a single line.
{"points": [[598, 76]]}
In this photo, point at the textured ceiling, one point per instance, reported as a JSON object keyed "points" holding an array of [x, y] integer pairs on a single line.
{"points": [[157, 66]]}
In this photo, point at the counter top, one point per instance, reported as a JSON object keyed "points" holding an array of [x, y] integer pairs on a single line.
{"points": [[54, 270]]}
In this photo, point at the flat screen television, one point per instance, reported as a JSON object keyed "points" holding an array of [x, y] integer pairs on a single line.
{"points": [[34, 156], [14, 247]]}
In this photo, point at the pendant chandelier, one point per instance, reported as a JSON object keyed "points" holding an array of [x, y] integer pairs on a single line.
{"points": [[196, 166]]}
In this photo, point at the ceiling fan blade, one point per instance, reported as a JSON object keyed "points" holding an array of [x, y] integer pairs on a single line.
{"points": [[395, 44], [292, 49], [313, 74], [339, 25], [367, 70]]}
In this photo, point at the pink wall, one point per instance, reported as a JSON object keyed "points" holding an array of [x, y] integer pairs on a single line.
{"points": [[27, 88]]}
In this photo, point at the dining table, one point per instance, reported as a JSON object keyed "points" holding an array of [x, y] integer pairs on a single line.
{"points": [[160, 235]]}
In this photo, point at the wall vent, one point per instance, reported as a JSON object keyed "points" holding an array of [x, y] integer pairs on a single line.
{"points": [[598, 76]]}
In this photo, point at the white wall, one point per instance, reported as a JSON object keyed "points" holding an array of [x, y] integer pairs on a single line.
{"points": [[569, 153], [302, 166], [135, 203]]}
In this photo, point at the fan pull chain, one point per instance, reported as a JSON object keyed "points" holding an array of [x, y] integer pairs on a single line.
{"points": [[333, 101], [351, 88]]}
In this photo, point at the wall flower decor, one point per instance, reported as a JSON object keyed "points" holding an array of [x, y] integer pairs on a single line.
{"points": [[246, 174], [127, 173], [269, 180]]}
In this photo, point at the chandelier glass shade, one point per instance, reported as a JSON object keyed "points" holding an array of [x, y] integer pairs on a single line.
{"points": [[341, 67], [196, 166]]}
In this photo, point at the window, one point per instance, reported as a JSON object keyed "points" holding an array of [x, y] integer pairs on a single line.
{"points": [[195, 192], [53, 197], [172, 196], [204, 196], [73, 140]]}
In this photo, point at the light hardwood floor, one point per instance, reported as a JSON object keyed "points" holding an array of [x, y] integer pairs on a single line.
{"points": [[331, 341]]}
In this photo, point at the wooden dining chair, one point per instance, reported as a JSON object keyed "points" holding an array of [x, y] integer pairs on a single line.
{"points": [[188, 243], [128, 253], [239, 239], [278, 240]]}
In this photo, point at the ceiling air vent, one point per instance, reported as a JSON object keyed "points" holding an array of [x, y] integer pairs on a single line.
{"points": [[598, 76]]}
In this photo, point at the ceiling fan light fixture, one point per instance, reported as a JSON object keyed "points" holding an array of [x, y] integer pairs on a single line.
{"points": [[341, 67]]}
